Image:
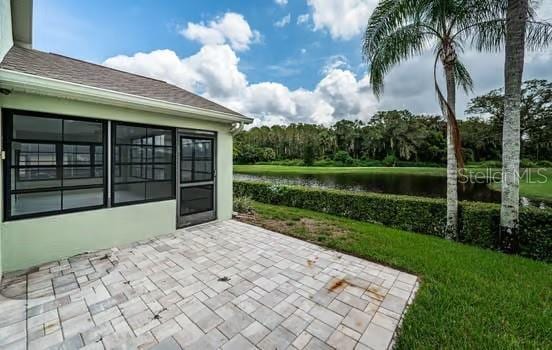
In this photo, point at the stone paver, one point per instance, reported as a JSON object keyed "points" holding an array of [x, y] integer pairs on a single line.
{"points": [[222, 285]]}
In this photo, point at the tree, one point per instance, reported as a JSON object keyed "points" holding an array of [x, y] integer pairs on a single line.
{"points": [[517, 30], [308, 155], [396, 133], [408, 137], [348, 136], [516, 21], [400, 29], [535, 119]]}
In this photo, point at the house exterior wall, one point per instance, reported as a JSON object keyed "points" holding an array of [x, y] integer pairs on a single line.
{"points": [[1, 204], [28, 242]]}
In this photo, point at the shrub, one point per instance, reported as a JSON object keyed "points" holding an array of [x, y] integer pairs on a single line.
{"points": [[526, 163], [243, 204], [403, 163], [544, 164], [290, 162], [267, 154], [324, 162], [390, 160], [487, 164], [478, 222], [343, 158]]}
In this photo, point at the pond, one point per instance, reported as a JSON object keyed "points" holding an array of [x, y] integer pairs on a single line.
{"points": [[405, 184]]}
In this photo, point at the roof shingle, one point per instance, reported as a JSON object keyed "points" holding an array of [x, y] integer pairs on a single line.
{"points": [[71, 70]]}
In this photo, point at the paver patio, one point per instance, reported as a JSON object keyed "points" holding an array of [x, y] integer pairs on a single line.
{"points": [[222, 285]]}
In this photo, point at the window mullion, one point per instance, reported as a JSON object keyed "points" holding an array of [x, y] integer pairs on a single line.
{"points": [[92, 161], [59, 161], [108, 161], [193, 159]]}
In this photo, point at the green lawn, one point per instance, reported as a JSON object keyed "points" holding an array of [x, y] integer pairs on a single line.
{"points": [[469, 297], [538, 185]]}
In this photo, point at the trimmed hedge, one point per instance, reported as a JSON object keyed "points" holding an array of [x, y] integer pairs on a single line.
{"points": [[478, 222]]}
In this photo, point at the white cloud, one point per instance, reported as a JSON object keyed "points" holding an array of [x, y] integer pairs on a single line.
{"points": [[302, 19], [335, 62], [281, 2], [231, 28], [344, 19], [340, 87], [284, 21], [213, 72]]}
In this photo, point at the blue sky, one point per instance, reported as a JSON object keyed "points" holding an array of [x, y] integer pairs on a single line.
{"points": [[237, 53], [97, 30]]}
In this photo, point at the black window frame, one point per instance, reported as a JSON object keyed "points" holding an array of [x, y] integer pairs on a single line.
{"points": [[7, 133], [114, 164]]}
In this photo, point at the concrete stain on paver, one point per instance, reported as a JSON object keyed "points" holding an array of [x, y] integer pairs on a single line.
{"points": [[223, 285]]}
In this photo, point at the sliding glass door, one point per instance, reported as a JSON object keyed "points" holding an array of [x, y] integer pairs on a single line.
{"points": [[197, 177]]}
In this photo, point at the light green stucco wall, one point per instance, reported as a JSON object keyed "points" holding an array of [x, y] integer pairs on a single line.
{"points": [[25, 243], [6, 36], [34, 241], [1, 198]]}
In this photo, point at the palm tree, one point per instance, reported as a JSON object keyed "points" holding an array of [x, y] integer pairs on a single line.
{"points": [[400, 29], [518, 19]]}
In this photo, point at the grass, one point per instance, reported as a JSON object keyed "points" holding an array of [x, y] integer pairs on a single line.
{"points": [[469, 297], [539, 186]]}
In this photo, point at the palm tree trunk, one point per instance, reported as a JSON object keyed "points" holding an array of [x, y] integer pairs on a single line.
{"points": [[452, 166], [513, 72]]}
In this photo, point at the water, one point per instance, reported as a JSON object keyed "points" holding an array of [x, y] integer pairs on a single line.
{"points": [[405, 184]]}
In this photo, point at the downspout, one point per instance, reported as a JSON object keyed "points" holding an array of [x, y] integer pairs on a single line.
{"points": [[237, 128]]}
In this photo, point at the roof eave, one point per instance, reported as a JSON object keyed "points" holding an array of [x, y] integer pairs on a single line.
{"points": [[33, 84], [22, 21]]}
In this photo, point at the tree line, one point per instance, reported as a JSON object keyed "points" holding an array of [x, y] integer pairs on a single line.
{"points": [[399, 135]]}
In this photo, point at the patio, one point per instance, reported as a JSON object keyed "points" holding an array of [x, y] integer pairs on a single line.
{"points": [[222, 285]]}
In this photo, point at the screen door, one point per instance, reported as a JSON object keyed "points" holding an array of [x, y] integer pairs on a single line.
{"points": [[196, 180]]}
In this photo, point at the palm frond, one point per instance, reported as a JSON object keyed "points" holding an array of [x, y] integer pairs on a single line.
{"points": [[397, 46], [538, 35], [463, 77], [487, 35], [386, 18], [476, 11]]}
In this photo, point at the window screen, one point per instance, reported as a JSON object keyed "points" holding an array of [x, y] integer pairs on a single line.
{"points": [[143, 163], [54, 164], [196, 160]]}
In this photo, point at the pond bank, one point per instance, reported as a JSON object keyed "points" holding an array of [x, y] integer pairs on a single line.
{"points": [[536, 184]]}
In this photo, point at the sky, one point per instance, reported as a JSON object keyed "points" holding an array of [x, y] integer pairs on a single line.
{"points": [[278, 61]]}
